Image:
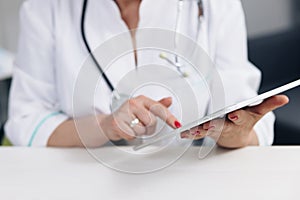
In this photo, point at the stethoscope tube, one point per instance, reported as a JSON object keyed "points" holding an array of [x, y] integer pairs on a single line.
{"points": [[83, 15], [110, 85]]}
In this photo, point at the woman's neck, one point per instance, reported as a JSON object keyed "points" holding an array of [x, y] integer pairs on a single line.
{"points": [[129, 10]]}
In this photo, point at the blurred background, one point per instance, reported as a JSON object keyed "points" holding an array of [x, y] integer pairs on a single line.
{"points": [[274, 46]]}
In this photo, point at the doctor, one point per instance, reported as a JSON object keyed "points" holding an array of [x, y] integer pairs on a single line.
{"points": [[51, 51]]}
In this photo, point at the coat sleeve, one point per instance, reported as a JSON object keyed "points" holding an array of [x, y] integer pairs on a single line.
{"points": [[34, 111], [240, 78]]}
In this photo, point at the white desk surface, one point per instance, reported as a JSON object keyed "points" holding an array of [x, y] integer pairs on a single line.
{"points": [[249, 173]]}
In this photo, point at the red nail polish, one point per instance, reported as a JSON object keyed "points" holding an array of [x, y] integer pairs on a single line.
{"points": [[196, 133], [234, 118], [177, 124]]}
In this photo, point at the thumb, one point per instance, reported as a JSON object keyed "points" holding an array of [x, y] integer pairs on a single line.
{"points": [[167, 102], [270, 104]]}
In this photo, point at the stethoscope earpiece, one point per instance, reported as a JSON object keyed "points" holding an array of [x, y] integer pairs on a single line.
{"points": [[175, 64]]}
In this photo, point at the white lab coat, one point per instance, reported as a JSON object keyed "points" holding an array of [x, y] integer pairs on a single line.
{"points": [[51, 52]]}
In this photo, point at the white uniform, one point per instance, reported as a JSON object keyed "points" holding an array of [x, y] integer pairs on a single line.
{"points": [[51, 52]]}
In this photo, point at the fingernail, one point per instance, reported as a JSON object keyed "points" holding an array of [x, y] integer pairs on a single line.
{"points": [[198, 133], [177, 124], [211, 127], [234, 118]]}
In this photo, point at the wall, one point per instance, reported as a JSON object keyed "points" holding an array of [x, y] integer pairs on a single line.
{"points": [[268, 16], [9, 26]]}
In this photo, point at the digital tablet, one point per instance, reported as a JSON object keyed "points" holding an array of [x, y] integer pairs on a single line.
{"points": [[221, 113]]}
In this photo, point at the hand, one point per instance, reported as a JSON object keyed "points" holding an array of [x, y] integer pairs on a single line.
{"points": [[237, 130], [117, 125]]}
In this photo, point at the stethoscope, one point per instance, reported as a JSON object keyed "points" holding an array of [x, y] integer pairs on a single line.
{"points": [[118, 99]]}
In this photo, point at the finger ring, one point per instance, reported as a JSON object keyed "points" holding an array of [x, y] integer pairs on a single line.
{"points": [[134, 122]]}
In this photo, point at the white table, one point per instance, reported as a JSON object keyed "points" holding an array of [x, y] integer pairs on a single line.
{"points": [[250, 173]]}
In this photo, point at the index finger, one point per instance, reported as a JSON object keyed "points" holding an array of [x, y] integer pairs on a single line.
{"points": [[161, 111]]}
